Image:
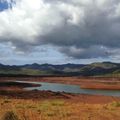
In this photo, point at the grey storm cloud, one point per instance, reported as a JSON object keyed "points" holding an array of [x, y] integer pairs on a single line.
{"points": [[79, 28]]}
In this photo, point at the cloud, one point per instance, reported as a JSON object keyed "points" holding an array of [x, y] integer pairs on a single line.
{"points": [[80, 29]]}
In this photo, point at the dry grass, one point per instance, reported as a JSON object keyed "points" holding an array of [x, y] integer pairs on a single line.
{"points": [[20, 109]]}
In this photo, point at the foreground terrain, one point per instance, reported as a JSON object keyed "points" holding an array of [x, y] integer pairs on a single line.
{"points": [[19, 104], [20, 109]]}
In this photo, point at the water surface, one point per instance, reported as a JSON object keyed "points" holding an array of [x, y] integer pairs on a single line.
{"points": [[57, 87]]}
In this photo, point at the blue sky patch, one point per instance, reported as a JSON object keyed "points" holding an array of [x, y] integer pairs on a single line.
{"points": [[3, 5]]}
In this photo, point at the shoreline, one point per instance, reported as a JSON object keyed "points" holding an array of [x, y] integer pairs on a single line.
{"points": [[84, 82], [49, 95], [17, 93]]}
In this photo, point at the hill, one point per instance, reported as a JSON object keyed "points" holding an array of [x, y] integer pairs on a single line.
{"points": [[94, 69]]}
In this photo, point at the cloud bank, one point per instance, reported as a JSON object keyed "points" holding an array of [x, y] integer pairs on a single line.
{"points": [[80, 29]]}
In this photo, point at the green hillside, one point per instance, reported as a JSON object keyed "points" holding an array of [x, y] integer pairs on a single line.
{"points": [[94, 69]]}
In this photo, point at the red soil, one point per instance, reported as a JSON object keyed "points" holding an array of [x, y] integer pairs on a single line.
{"points": [[93, 83], [87, 83], [42, 95]]}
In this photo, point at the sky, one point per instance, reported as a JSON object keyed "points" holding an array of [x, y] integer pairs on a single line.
{"points": [[59, 31]]}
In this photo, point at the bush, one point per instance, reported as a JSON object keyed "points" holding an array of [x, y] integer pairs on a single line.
{"points": [[116, 104], [10, 116]]}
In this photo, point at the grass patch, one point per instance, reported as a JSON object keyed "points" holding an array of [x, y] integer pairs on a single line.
{"points": [[115, 104], [20, 109]]}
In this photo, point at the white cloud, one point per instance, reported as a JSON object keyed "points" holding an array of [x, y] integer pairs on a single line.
{"points": [[79, 24]]}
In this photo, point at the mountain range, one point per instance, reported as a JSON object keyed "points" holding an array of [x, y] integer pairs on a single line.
{"points": [[93, 69]]}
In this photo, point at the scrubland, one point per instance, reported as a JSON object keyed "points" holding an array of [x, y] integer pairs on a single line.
{"points": [[20, 109], [18, 104]]}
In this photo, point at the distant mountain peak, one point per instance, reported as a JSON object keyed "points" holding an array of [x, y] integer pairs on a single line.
{"points": [[35, 64]]}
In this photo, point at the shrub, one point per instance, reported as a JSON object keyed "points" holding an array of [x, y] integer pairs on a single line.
{"points": [[10, 116], [116, 104]]}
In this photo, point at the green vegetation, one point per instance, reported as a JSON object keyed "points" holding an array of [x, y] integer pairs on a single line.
{"points": [[115, 104], [94, 69]]}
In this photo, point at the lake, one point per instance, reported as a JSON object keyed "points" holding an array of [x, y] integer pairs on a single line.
{"points": [[57, 87]]}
